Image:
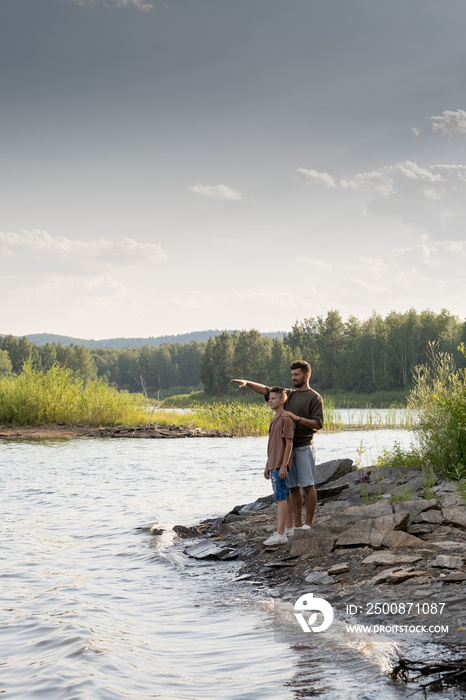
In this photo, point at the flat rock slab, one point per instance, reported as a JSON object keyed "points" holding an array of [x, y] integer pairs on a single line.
{"points": [[391, 559], [338, 569], [447, 561], [373, 532], [394, 576], [454, 577]]}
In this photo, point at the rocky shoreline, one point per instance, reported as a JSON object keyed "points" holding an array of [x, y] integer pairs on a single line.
{"points": [[54, 431], [378, 557]]}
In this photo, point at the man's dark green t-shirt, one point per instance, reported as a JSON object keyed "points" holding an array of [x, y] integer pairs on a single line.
{"points": [[308, 404]]}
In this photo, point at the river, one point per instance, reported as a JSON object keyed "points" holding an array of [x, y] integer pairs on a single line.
{"points": [[92, 608]]}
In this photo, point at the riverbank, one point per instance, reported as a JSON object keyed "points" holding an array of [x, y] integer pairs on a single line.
{"points": [[60, 431], [377, 557]]}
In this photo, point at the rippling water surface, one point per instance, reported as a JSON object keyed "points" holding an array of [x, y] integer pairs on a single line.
{"points": [[94, 609]]}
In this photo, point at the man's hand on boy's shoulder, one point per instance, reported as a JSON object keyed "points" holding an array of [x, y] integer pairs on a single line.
{"points": [[293, 416]]}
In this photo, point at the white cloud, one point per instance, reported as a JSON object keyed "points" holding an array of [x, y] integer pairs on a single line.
{"points": [[216, 191], [139, 4], [314, 262], [385, 179], [430, 198], [42, 246], [450, 122], [373, 267], [415, 130], [195, 300], [313, 177]]}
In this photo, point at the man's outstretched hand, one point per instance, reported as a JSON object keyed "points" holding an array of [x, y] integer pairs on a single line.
{"points": [[240, 382]]}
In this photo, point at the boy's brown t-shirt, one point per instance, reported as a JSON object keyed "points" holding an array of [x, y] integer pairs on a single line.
{"points": [[281, 427]]}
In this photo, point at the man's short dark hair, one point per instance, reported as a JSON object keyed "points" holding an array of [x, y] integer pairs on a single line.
{"points": [[301, 364], [278, 390]]}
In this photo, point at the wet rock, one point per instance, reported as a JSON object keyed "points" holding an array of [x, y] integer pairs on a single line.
{"points": [[186, 532], [209, 550], [154, 530], [447, 561], [259, 504]]}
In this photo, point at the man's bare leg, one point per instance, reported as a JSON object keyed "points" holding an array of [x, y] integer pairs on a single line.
{"points": [[297, 501], [282, 515], [310, 495]]}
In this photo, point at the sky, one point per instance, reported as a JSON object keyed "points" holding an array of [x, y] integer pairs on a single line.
{"points": [[170, 166]]}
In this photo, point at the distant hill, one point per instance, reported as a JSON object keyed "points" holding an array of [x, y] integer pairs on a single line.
{"points": [[198, 336]]}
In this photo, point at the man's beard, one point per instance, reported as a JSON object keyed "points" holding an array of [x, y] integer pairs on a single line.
{"points": [[298, 382]]}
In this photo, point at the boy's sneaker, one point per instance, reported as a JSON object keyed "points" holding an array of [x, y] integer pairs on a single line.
{"points": [[276, 538], [304, 527], [289, 531]]}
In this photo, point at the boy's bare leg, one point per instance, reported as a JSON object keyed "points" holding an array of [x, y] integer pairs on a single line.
{"points": [[282, 514], [289, 512], [310, 495]]}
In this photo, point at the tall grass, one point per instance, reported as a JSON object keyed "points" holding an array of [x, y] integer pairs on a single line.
{"points": [[438, 401], [234, 417], [254, 419], [35, 397]]}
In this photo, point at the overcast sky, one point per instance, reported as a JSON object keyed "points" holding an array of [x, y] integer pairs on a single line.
{"points": [[178, 165]]}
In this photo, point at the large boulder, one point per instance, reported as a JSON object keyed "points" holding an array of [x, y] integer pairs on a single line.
{"points": [[333, 470]]}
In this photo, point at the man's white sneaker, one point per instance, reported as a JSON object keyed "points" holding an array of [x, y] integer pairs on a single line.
{"points": [[276, 538], [289, 531], [304, 527]]}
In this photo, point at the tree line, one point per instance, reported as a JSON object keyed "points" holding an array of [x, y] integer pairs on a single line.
{"points": [[360, 356]]}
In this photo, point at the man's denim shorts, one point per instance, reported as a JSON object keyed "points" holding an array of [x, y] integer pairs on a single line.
{"points": [[280, 486], [303, 469]]}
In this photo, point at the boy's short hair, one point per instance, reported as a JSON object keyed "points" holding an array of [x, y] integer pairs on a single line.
{"points": [[301, 364], [279, 390]]}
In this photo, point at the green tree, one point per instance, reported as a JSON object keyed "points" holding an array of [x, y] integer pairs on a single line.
{"points": [[216, 368], [5, 363]]}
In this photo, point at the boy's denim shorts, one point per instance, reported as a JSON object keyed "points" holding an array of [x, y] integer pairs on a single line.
{"points": [[280, 486], [303, 468]]}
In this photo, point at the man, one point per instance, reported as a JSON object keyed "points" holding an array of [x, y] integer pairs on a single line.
{"points": [[305, 406]]}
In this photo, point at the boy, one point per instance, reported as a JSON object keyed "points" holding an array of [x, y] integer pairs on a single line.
{"points": [[279, 452]]}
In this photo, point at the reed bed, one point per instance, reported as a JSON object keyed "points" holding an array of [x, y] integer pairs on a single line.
{"points": [[35, 397], [254, 419]]}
